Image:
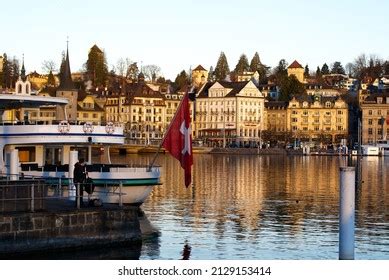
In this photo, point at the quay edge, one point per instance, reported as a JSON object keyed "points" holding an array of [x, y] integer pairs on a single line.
{"points": [[23, 233]]}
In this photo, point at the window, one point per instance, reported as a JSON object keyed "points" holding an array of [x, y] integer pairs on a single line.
{"points": [[379, 131], [370, 112], [370, 131], [370, 121], [328, 104]]}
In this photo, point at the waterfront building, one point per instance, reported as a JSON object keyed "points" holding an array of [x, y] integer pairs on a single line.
{"points": [[140, 108], [276, 121], [199, 76], [317, 118], [375, 117], [229, 113], [297, 70]]}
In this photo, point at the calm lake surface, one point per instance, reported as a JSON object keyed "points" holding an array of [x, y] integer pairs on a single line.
{"points": [[263, 207]]}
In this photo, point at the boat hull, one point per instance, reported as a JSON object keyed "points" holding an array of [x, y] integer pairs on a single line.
{"points": [[136, 184]]}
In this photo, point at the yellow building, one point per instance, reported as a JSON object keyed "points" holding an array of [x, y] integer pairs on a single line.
{"points": [[375, 118], [89, 111], [297, 70], [276, 120], [199, 76], [321, 119]]}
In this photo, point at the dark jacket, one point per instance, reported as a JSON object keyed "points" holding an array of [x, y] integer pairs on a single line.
{"points": [[79, 173]]}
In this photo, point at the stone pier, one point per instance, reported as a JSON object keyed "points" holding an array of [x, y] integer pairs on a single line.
{"points": [[93, 227]]}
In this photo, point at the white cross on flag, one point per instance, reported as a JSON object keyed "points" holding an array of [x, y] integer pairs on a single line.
{"points": [[178, 138]]}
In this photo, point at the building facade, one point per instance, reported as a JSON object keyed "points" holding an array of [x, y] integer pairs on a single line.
{"points": [[199, 76], [229, 113], [276, 121], [375, 118], [297, 70], [319, 119]]}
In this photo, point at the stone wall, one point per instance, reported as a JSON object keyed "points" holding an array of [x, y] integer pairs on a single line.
{"points": [[29, 232]]}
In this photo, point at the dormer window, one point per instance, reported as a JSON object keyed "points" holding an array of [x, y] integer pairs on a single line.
{"points": [[305, 104], [328, 104], [379, 100]]}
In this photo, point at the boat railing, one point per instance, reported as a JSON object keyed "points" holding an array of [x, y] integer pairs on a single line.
{"points": [[34, 193], [96, 167], [54, 122]]}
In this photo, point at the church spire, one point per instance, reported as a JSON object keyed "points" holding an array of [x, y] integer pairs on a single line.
{"points": [[23, 72], [66, 82]]}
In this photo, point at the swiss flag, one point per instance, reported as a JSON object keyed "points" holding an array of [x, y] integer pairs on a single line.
{"points": [[178, 138]]}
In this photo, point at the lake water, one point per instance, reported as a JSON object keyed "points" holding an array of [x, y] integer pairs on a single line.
{"points": [[263, 207]]}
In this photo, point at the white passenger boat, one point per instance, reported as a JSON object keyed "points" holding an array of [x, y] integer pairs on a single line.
{"points": [[44, 150]]}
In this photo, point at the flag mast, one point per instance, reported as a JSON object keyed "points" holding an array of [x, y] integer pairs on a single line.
{"points": [[166, 132]]}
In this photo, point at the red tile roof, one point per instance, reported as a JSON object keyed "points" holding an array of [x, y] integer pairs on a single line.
{"points": [[295, 64]]}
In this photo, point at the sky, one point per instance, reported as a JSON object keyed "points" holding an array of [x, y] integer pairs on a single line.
{"points": [[179, 34]]}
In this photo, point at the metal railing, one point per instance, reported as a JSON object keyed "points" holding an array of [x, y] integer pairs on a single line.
{"points": [[31, 194]]}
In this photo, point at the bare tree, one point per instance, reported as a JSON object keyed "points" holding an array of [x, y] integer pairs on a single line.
{"points": [[121, 67], [151, 72], [49, 66]]}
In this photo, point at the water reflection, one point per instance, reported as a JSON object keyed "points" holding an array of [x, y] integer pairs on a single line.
{"points": [[269, 207]]}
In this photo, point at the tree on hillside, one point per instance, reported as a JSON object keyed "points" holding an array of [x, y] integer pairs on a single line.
{"points": [[242, 65], [349, 69], [51, 79], [121, 67], [318, 73], [96, 66], [151, 72], [306, 71], [181, 81], [62, 67], [324, 69], [386, 67], [337, 68], [10, 72], [211, 74], [290, 86], [132, 71], [371, 66], [281, 70], [222, 69], [49, 66], [256, 65]]}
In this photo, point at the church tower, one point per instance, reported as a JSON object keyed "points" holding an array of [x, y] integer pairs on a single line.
{"points": [[199, 76], [23, 85], [67, 90]]}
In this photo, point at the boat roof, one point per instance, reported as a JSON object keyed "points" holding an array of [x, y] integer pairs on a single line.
{"points": [[16, 101]]}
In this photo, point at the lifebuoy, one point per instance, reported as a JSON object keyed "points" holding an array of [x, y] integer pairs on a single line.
{"points": [[64, 127], [88, 127], [110, 128]]}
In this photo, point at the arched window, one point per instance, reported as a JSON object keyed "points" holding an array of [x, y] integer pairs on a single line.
{"points": [[19, 88]]}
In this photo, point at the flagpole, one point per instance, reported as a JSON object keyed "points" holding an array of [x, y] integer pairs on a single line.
{"points": [[163, 139]]}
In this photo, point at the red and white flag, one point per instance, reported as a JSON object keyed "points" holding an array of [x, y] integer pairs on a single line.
{"points": [[178, 139]]}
